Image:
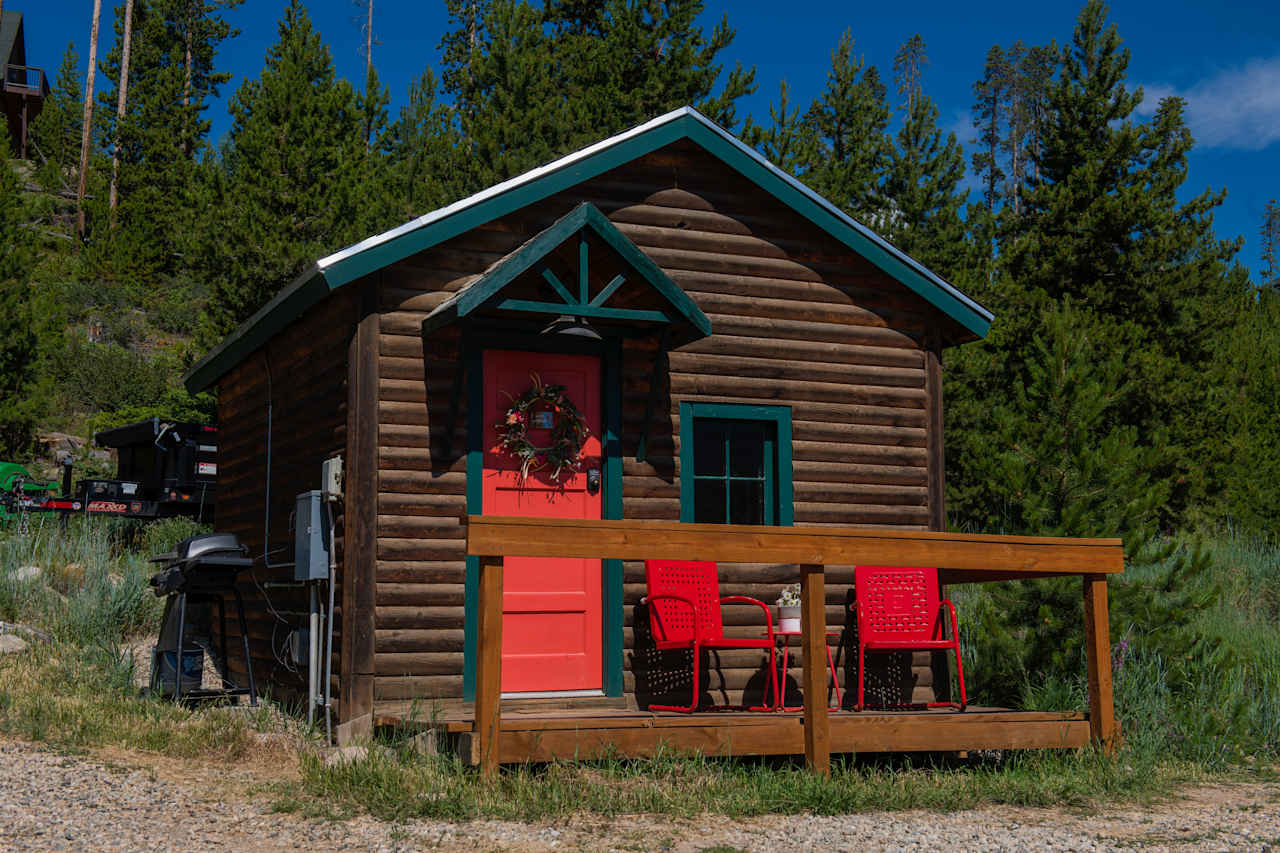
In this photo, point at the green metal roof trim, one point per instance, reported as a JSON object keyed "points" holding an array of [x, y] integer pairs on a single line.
{"points": [[381, 250], [488, 286]]}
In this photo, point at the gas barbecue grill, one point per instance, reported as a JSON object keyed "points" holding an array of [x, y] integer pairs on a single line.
{"points": [[199, 570]]}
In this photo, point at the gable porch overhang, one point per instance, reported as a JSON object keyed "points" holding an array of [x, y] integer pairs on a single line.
{"points": [[631, 296]]}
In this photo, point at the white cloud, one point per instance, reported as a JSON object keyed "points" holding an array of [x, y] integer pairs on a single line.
{"points": [[1236, 108]]}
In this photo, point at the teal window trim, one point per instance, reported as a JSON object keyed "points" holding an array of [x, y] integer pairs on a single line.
{"points": [[779, 416], [611, 588]]}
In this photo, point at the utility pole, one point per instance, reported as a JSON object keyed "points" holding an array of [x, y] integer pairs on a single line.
{"points": [[120, 104], [87, 130]]}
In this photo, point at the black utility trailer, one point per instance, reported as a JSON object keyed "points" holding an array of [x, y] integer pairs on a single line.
{"points": [[164, 469]]}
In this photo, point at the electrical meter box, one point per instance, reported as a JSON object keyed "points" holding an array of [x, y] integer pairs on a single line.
{"points": [[312, 543]]}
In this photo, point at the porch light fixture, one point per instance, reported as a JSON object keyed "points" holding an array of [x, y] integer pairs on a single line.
{"points": [[567, 324]]}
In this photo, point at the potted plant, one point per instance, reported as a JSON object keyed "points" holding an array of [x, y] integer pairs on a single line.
{"points": [[789, 609]]}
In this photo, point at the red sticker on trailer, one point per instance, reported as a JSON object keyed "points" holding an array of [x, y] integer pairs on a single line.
{"points": [[107, 506]]}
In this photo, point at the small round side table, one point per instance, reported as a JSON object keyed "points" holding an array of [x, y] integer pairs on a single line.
{"points": [[786, 636]]}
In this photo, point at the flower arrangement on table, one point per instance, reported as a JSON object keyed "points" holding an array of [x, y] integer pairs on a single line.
{"points": [[568, 431], [789, 609], [790, 596]]}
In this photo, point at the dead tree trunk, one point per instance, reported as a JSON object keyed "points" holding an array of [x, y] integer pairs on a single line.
{"points": [[121, 103], [87, 130]]}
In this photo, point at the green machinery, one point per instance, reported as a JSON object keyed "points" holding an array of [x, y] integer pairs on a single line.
{"points": [[19, 490]]}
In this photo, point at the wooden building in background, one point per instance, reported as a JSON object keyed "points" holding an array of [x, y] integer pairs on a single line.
{"points": [[24, 87], [741, 350]]}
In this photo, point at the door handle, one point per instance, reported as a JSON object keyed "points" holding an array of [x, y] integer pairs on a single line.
{"points": [[593, 481]]}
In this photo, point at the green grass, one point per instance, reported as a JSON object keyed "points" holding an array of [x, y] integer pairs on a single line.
{"points": [[1186, 718], [78, 689], [398, 786]]}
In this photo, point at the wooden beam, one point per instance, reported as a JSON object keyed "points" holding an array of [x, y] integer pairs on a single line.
{"points": [[813, 637], [488, 706], [1015, 556], [933, 435], [1097, 640], [360, 533], [778, 734]]}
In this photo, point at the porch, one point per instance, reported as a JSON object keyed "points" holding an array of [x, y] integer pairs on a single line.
{"points": [[572, 734], [492, 735]]}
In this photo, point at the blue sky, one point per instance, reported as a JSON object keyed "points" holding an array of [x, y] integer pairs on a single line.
{"points": [[1224, 57]]}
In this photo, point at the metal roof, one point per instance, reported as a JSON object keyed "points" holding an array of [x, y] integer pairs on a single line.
{"points": [[355, 261], [10, 31]]}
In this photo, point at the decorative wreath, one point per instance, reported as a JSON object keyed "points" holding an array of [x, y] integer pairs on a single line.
{"points": [[568, 430]]}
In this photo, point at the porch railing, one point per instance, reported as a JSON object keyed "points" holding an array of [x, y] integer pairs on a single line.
{"points": [[960, 558], [24, 79]]}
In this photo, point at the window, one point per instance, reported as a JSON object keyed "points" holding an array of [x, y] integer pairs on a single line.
{"points": [[735, 464]]}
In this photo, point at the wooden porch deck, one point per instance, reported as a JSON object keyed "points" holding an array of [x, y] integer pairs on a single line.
{"points": [[569, 733], [499, 735]]}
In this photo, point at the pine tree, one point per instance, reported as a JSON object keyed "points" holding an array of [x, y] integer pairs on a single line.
{"points": [[908, 69], [17, 331], [424, 148], [849, 121], [1104, 227], [922, 182], [1271, 246], [1027, 113], [532, 83], [788, 140], [1061, 464], [292, 165], [644, 58], [989, 120], [55, 134], [159, 137]]}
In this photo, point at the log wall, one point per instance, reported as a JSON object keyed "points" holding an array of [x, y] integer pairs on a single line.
{"points": [[303, 373], [798, 319]]}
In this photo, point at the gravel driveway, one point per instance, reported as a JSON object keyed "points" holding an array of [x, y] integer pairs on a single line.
{"points": [[51, 801]]}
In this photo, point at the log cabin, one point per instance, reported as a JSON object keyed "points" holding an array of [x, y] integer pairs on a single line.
{"points": [[741, 353]]}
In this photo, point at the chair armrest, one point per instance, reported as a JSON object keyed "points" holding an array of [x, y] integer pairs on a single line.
{"points": [[744, 599], [649, 599], [955, 624]]}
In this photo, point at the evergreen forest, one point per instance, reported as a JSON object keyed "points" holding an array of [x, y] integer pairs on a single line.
{"points": [[1130, 384]]}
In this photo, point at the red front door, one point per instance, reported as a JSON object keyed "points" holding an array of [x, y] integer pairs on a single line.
{"points": [[551, 608]]}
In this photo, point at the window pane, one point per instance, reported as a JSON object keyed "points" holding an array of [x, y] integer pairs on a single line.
{"points": [[708, 501], [746, 451], [746, 502], [708, 448]]}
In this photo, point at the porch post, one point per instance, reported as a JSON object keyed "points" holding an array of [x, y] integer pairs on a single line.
{"points": [[1097, 641], [813, 639], [488, 704]]}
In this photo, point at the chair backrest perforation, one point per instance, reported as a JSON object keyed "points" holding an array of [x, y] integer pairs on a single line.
{"points": [[695, 580], [897, 603]]}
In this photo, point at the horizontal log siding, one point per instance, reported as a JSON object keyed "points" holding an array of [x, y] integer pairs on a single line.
{"points": [[309, 424], [797, 319]]}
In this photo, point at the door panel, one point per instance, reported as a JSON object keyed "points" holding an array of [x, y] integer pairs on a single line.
{"points": [[552, 608]]}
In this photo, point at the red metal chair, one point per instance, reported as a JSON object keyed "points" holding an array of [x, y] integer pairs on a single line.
{"points": [[684, 613], [899, 609]]}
